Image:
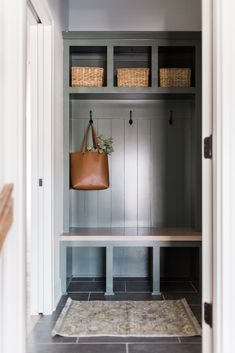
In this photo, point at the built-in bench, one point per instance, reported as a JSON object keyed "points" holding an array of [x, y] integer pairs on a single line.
{"points": [[110, 238]]}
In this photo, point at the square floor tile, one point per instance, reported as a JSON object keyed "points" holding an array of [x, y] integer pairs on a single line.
{"points": [[86, 287], [53, 317], [177, 286], [138, 286], [192, 298], [77, 348], [164, 348], [42, 334], [79, 296]]}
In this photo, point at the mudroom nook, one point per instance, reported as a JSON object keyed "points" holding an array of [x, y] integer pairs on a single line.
{"points": [[117, 142], [148, 222]]}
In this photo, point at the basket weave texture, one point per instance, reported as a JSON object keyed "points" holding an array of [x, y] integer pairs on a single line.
{"points": [[175, 77], [87, 76], [133, 77]]}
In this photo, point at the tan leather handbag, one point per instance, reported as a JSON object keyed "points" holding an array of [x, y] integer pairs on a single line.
{"points": [[89, 170]]}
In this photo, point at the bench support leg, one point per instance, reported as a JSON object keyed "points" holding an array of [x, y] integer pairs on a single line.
{"points": [[156, 271], [109, 270]]}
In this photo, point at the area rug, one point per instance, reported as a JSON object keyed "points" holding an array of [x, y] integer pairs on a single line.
{"points": [[163, 318]]}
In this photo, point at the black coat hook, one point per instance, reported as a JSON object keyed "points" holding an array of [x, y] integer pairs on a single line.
{"points": [[90, 121], [171, 117], [130, 121]]}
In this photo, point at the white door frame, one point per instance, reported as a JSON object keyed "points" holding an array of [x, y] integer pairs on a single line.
{"points": [[218, 237], [218, 113], [224, 175], [40, 225], [207, 172]]}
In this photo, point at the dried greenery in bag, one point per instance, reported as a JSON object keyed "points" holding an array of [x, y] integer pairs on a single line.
{"points": [[105, 145]]}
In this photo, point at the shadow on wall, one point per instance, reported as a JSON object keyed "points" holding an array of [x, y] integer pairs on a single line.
{"points": [[135, 15]]}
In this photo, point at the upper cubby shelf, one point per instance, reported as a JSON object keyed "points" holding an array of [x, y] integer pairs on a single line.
{"points": [[84, 57], [108, 65], [181, 57], [131, 93], [132, 57]]}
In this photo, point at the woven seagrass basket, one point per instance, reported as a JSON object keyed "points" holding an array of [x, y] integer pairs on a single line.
{"points": [[87, 76], [175, 77], [133, 77]]}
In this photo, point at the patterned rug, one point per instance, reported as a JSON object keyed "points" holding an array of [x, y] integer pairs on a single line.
{"points": [[127, 318]]}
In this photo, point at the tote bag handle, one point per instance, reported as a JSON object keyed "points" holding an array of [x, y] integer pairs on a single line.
{"points": [[94, 138]]}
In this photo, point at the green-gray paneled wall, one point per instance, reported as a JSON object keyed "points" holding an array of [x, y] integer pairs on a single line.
{"points": [[151, 174], [150, 169]]}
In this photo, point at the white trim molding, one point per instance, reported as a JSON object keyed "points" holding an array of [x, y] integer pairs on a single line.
{"points": [[13, 168], [51, 159], [41, 141], [224, 174], [207, 186]]}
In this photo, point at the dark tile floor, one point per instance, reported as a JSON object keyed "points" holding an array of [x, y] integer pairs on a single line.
{"points": [[40, 341]]}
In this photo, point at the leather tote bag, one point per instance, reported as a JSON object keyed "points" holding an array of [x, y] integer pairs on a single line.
{"points": [[89, 170]]}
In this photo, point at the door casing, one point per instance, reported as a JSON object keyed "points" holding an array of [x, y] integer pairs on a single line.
{"points": [[40, 143]]}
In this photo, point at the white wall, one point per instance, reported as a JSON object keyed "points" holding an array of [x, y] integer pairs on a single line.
{"points": [[135, 15], [59, 11], [58, 155]]}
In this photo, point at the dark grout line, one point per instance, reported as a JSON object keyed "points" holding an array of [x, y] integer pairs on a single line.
{"points": [[77, 342]]}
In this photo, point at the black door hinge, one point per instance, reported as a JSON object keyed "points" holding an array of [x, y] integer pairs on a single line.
{"points": [[208, 314], [208, 147], [40, 182]]}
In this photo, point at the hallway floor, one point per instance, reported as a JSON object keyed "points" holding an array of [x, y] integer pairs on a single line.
{"points": [[40, 340]]}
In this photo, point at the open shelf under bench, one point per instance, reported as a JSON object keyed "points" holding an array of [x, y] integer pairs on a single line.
{"points": [[109, 238]]}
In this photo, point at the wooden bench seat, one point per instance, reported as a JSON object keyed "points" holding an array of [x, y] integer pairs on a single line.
{"points": [[109, 238]]}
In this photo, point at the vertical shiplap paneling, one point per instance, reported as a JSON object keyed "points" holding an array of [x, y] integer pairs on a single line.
{"points": [[179, 125], [183, 172], [179, 129], [186, 186], [117, 172], [150, 172], [172, 163], [91, 199], [77, 197], [194, 185], [131, 185], [104, 128], [157, 170], [143, 173]]}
